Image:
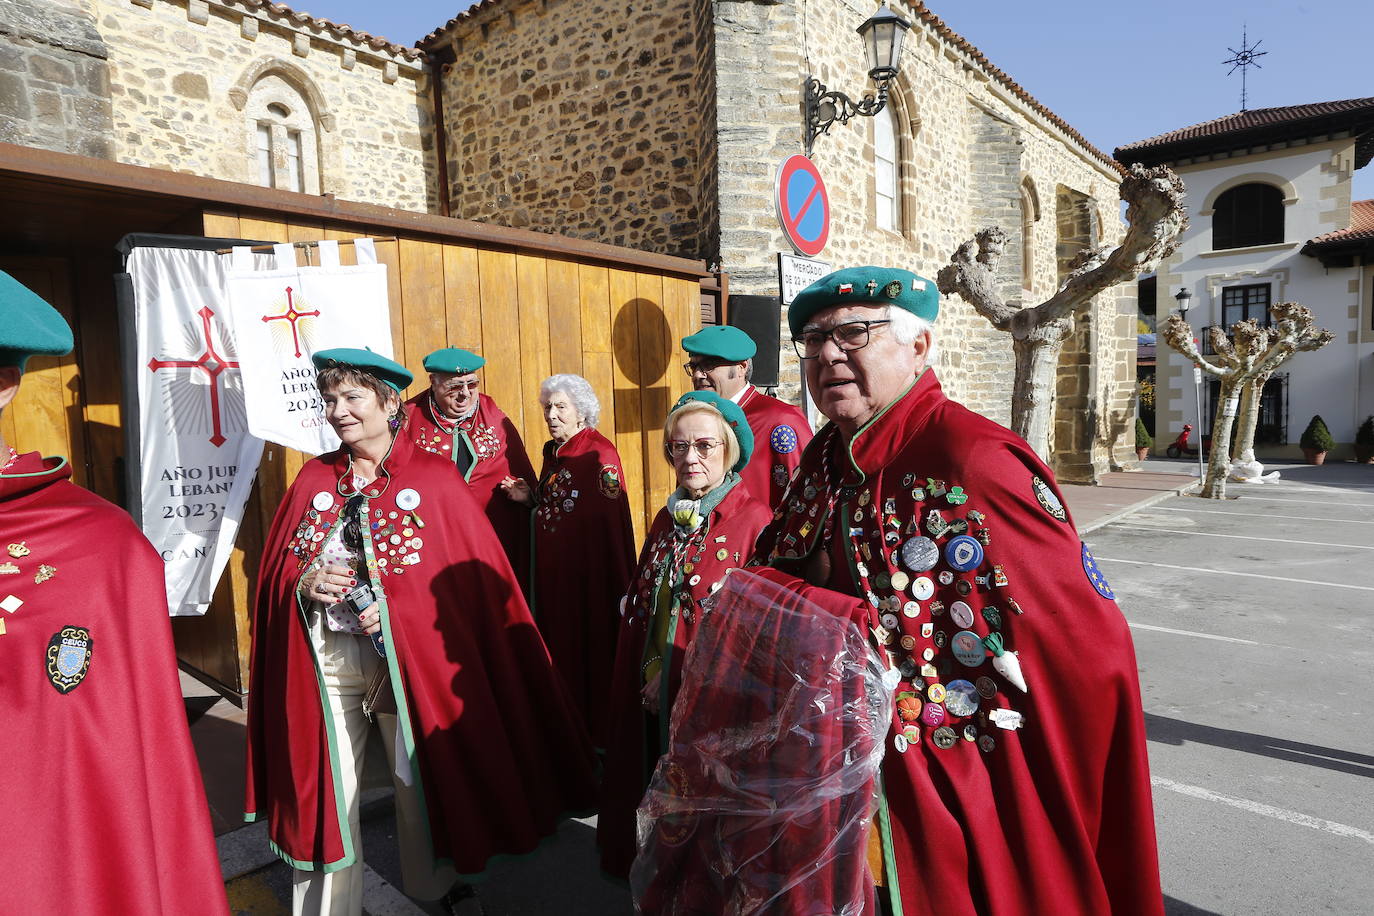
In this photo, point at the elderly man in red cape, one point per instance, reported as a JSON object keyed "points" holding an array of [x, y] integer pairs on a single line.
{"points": [[453, 418], [720, 358], [1015, 779], [104, 810]]}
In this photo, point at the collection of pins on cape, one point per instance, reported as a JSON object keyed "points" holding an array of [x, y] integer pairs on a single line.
{"points": [[68, 653], [912, 554], [396, 536]]}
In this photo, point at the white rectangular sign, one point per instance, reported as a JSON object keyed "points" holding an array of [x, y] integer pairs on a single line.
{"points": [[196, 456], [796, 274], [285, 315]]}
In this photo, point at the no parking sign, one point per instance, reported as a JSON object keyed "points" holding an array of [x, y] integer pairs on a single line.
{"points": [[803, 205]]}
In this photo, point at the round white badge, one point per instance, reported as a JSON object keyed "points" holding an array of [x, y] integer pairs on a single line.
{"points": [[408, 499], [322, 501], [922, 588]]}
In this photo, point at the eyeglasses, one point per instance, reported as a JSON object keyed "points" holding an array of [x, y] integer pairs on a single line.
{"points": [[703, 365], [851, 335], [453, 387], [352, 528], [676, 448]]}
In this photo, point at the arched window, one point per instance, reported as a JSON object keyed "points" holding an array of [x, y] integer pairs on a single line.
{"points": [[283, 136], [1248, 214], [1030, 215], [887, 173]]}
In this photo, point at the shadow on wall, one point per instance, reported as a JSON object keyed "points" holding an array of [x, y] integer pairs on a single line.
{"points": [[642, 341]]}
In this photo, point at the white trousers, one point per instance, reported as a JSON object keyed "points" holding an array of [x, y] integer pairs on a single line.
{"points": [[347, 663]]}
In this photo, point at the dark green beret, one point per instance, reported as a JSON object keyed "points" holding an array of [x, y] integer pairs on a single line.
{"points": [[865, 285], [28, 325], [734, 416], [454, 360], [375, 364], [722, 342]]}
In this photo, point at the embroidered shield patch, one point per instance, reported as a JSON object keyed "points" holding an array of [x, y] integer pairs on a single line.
{"points": [[1048, 500], [69, 657], [609, 481]]}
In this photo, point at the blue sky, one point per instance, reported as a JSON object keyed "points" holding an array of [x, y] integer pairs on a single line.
{"points": [[1117, 72]]}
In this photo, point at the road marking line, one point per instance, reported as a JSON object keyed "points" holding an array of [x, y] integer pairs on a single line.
{"points": [[1227, 572], [1297, 518], [1249, 537], [1306, 502], [1146, 626], [1254, 807]]}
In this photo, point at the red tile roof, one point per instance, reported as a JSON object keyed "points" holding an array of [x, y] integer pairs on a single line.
{"points": [[1253, 128], [337, 30], [1361, 226], [924, 14]]}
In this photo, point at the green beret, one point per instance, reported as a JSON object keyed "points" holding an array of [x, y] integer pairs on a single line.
{"points": [[722, 342], [734, 417], [374, 364], [28, 325], [454, 360], [865, 285]]}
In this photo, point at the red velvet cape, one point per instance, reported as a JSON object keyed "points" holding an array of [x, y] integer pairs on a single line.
{"points": [[104, 809], [1053, 817], [780, 434], [731, 530], [500, 453], [583, 558], [501, 753]]}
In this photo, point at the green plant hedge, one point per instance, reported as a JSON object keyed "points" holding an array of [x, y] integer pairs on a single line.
{"points": [[1365, 434], [1317, 437], [1143, 439]]}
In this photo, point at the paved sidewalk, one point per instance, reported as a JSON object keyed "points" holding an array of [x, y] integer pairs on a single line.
{"points": [[1123, 492]]}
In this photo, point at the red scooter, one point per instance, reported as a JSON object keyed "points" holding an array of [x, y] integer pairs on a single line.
{"points": [[1180, 447]]}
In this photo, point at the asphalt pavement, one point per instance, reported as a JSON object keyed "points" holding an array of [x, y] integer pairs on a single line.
{"points": [[1253, 620]]}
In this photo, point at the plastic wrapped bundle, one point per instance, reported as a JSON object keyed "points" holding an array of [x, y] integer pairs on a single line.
{"points": [[764, 801]]}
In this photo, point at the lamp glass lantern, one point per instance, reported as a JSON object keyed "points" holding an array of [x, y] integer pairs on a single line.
{"points": [[882, 35], [1184, 298]]}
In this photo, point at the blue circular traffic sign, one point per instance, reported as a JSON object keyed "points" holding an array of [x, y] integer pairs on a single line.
{"points": [[803, 205]]}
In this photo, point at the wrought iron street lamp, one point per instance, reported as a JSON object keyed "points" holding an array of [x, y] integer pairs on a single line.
{"points": [[882, 35], [1184, 298]]}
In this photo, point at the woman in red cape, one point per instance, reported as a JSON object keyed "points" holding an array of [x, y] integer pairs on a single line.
{"points": [[707, 529], [487, 752], [583, 545]]}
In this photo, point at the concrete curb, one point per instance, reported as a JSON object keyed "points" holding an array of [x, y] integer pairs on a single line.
{"points": [[1119, 514]]}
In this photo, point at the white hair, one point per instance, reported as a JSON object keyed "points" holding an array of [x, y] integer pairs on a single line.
{"points": [[578, 390], [906, 327]]}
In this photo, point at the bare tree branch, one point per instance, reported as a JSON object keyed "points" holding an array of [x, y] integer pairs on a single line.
{"points": [[974, 277], [1178, 334], [1155, 218]]}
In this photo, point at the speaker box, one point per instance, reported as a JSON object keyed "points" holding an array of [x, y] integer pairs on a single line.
{"points": [[761, 318]]}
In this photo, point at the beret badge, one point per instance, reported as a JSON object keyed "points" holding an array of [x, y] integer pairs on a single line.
{"points": [[893, 289]]}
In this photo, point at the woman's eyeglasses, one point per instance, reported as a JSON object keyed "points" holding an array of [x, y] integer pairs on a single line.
{"points": [[851, 335], [676, 448]]}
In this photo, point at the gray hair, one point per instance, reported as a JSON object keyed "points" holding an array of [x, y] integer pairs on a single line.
{"points": [[906, 327], [727, 434], [578, 390]]}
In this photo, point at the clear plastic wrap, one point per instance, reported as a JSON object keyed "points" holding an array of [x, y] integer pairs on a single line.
{"points": [[764, 801]]}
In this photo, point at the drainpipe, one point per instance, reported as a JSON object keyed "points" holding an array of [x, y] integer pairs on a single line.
{"points": [[436, 83]]}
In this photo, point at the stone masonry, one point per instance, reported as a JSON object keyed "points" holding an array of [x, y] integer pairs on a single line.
{"points": [[189, 80], [54, 78]]}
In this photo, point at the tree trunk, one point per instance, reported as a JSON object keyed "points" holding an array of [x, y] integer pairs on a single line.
{"points": [[1032, 397], [1249, 417], [1219, 464]]}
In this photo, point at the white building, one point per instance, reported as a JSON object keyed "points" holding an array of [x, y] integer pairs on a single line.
{"points": [[1271, 220]]}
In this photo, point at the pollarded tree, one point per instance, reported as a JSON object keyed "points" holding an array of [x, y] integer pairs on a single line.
{"points": [[1155, 217], [1250, 352]]}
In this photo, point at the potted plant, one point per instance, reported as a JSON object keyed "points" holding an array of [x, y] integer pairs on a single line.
{"points": [[1316, 441], [1144, 441], [1364, 441]]}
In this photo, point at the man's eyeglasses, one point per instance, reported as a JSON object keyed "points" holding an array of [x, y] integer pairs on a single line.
{"points": [[703, 365], [851, 335], [352, 527], [676, 448], [453, 387]]}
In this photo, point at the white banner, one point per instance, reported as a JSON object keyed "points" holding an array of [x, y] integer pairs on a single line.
{"points": [[283, 315], [196, 457]]}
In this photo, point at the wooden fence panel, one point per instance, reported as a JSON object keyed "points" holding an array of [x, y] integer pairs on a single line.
{"points": [[532, 286]]}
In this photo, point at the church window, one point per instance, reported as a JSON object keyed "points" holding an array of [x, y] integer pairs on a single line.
{"points": [[266, 178], [1249, 214], [284, 135], [1030, 214], [886, 171]]}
